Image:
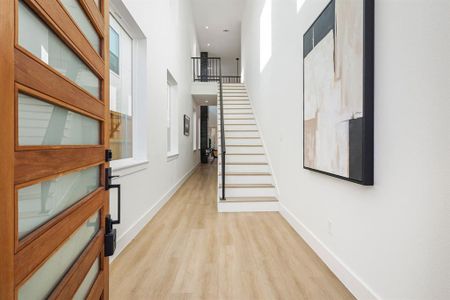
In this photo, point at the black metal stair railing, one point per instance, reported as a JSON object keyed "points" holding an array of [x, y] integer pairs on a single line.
{"points": [[209, 69], [223, 148]]}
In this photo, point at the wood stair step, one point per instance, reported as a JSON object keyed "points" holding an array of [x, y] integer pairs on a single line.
{"points": [[240, 130], [234, 108], [246, 174], [238, 124], [237, 113], [249, 199], [244, 163], [242, 146], [236, 104], [248, 186], [242, 138], [245, 154]]}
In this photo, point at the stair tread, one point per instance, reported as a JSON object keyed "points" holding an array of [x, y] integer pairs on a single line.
{"points": [[246, 174], [248, 186], [244, 163], [250, 199], [243, 146], [237, 113], [228, 108], [243, 138], [245, 154], [241, 130], [238, 124]]}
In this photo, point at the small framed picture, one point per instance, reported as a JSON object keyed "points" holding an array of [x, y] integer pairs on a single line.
{"points": [[187, 125]]}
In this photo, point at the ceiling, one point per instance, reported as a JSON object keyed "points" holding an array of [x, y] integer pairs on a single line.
{"points": [[219, 15]]}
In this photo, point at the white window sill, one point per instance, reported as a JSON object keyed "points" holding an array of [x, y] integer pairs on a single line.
{"points": [[172, 156], [129, 166]]}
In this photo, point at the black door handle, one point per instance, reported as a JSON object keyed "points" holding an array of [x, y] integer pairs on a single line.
{"points": [[108, 186], [110, 232]]}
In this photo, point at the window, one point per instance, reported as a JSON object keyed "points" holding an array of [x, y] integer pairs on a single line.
{"points": [[172, 116], [114, 50], [121, 92], [129, 103]]}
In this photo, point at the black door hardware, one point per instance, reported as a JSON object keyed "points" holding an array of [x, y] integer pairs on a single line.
{"points": [[110, 236], [108, 186], [110, 232]]}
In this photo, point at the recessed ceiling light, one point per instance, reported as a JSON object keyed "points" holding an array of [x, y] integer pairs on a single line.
{"points": [[206, 27], [209, 44]]}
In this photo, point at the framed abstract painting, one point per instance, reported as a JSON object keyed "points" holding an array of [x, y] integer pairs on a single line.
{"points": [[338, 91]]}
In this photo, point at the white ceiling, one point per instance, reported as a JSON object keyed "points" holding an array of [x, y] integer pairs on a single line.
{"points": [[219, 15]]}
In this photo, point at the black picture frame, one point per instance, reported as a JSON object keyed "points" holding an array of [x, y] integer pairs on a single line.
{"points": [[367, 176], [186, 125]]}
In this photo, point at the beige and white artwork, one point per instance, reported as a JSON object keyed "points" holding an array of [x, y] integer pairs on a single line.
{"points": [[333, 91]]}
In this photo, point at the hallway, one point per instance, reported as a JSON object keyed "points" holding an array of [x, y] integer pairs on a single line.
{"points": [[190, 251]]}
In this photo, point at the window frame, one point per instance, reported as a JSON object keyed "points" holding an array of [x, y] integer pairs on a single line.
{"points": [[173, 123], [139, 159]]}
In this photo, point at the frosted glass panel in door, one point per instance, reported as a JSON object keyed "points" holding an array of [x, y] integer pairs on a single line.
{"points": [[42, 123], [46, 278], [36, 37], [43, 201], [88, 281], [77, 13]]}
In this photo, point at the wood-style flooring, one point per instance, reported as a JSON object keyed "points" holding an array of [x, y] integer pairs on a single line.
{"points": [[190, 251]]}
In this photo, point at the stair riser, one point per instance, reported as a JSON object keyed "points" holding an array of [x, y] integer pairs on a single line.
{"points": [[240, 134], [231, 122], [247, 168], [242, 142], [240, 127], [250, 192], [247, 179], [234, 102], [238, 150], [244, 158], [231, 98], [236, 111], [237, 116], [234, 106]]}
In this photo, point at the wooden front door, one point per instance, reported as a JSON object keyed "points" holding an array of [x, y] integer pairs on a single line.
{"points": [[54, 132]]}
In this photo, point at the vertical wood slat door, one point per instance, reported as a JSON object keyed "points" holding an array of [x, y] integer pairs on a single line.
{"points": [[54, 104]]}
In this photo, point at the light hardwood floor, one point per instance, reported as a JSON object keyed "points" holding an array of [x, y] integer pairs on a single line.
{"points": [[190, 251]]}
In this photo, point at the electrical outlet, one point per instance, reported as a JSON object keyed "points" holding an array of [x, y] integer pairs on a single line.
{"points": [[330, 227]]}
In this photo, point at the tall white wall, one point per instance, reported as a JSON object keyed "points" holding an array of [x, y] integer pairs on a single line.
{"points": [[229, 67], [391, 240], [171, 41]]}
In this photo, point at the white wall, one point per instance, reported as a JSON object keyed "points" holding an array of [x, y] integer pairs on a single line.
{"points": [[171, 41], [391, 240], [229, 67]]}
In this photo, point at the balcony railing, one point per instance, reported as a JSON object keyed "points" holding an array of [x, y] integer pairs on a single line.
{"points": [[207, 69]]}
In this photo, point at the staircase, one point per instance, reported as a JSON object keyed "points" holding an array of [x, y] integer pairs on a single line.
{"points": [[249, 185]]}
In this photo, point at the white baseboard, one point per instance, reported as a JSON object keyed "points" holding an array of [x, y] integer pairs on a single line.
{"points": [[133, 231], [247, 206], [353, 283]]}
